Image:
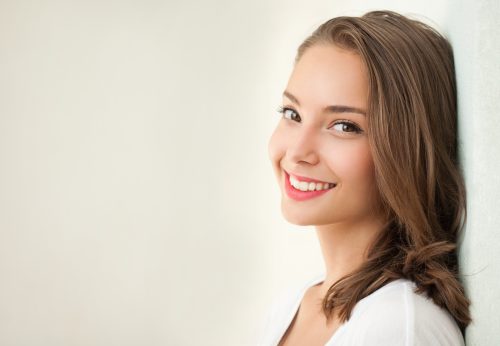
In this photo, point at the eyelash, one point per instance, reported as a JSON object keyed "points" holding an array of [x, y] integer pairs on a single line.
{"points": [[353, 125]]}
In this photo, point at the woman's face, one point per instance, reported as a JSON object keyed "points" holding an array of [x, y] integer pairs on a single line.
{"points": [[317, 142]]}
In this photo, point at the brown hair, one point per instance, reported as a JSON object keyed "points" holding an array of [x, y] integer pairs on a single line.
{"points": [[412, 125]]}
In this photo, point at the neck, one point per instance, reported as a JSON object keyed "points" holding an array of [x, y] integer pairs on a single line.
{"points": [[344, 248]]}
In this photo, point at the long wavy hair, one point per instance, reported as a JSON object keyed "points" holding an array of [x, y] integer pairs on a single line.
{"points": [[412, 129]]}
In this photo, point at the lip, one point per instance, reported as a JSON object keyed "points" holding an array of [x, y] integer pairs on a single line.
{"points": [[309, 180], [301, 195]]}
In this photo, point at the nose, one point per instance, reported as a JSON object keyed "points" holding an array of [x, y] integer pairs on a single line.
{"points": [[303, 147]]}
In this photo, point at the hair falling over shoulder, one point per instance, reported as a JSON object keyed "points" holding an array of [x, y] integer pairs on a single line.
{"points": [[412, 128]]}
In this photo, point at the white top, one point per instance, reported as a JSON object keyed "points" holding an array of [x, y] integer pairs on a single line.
{"points": [[392, 315]]}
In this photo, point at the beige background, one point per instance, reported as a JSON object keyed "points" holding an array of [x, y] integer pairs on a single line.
{"points": [[137, 203]]}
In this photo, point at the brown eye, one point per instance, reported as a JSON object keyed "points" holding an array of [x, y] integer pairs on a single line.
{"points": [[289, 113], [346, 126]]}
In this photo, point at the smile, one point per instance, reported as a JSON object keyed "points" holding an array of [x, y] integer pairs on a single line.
{"points": [[301, 188]]}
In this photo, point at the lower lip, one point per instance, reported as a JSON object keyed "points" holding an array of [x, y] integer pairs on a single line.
{"points": [[301, 195]]}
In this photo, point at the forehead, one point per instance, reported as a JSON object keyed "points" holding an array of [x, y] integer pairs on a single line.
{"points": [[328, 74]]}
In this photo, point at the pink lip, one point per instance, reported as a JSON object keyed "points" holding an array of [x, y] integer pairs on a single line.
{"points": [[301, 195]]}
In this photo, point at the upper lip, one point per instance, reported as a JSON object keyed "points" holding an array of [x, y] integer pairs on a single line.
{"points": [[306, 179]]}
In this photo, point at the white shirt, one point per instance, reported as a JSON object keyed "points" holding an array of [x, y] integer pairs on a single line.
{"points": [[392, 315]]}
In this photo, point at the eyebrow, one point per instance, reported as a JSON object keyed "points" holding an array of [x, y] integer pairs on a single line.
{"points": [[331, 109]]}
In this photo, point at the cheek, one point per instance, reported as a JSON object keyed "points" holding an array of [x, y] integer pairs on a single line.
{"points": [[353, 164]]}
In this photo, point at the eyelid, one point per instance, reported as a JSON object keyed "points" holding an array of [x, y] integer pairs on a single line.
{"points": [[283, 109], [356, 128]]}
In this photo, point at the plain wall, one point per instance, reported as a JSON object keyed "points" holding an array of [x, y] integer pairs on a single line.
{"points": [[475, 34], [137, 203]]}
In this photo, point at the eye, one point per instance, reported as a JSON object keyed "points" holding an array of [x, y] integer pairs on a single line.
{"points": [[289, 113], [346, 126]]}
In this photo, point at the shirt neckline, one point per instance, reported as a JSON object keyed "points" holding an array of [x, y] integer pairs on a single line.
{"points": [[319, 279]]}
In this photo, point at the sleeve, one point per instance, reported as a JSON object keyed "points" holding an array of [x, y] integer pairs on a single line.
{"points": [[434, 325], [402, 317], [384, 322]]}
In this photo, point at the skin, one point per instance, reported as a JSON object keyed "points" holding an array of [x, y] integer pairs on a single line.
{"points": [[319, 144]]}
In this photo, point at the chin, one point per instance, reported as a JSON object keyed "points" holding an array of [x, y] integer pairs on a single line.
{"points": [[297, 218], [298, 221]]}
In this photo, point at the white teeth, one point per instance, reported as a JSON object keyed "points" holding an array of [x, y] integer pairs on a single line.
{"points": [[306, 186], [303, 186]]}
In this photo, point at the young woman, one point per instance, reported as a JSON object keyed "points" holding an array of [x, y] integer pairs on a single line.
{"points": [[366, 151]]}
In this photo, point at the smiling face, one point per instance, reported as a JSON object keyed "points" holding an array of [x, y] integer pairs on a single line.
{"points": [[315, 141]]}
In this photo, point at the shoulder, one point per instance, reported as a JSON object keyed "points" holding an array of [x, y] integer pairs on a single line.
{"points": [[396, 315], [282, 310]]}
